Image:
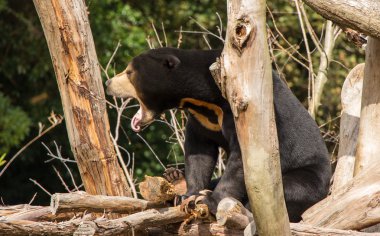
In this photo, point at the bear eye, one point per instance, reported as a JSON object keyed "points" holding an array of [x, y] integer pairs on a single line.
{"points": [[128, 72]]}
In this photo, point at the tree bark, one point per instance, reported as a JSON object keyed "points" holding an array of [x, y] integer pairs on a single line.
{"points": [[354, 206], [369, 139], [80, 202], [69, 38], [249, 90], [361, 15], [349, 127]]}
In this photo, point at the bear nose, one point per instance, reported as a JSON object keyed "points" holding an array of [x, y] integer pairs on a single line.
{"points": [[108, 82]]}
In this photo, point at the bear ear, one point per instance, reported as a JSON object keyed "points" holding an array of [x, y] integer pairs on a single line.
{"points": [[171, 61]]}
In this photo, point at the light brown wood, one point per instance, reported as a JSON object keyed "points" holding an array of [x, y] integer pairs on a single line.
{"points": [[308, 230], [207, 229], [354, 206], [361, 15], [32, 213], [67, 30], [150, 222], [349, 127], [232, 214], [80, 202], [368, 152], [102, 226], [156, 189], [245, 86]]}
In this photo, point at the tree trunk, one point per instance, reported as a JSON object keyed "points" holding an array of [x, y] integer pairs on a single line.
{"points": [[249, 90], [69, 38], [349, 127], [368, 152], [355, 206], [361, 15]]}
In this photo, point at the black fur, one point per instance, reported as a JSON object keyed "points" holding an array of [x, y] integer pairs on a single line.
{"points": [[166, 75]]}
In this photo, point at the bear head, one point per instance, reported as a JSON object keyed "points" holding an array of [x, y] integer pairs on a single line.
{"points": [[149, 78]]}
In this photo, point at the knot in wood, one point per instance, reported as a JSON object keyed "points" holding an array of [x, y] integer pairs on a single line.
{"points": [[240, 104], [244, 32]]}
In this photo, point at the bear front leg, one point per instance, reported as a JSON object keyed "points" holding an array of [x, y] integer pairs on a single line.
{"points": [[231, 184], [200, 159]]}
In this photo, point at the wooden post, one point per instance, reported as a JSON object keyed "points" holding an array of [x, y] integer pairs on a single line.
{"points": [[249, 90], [349, 127], [69, 38], [368, 152]]}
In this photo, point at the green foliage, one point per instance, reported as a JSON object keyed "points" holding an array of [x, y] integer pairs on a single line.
{"points": [[2, 159], [14, 125]]}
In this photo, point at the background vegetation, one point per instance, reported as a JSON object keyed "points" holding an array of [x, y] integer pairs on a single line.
{"points": [[29, 92]]}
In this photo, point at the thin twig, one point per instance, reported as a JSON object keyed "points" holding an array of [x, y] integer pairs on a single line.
{"points": [[58, 156], [163, 31], [124, 167], [71, 176], [39, 185], [311, 72], [32, 200], [157, 36], [283, 37], [206, 30], [61, 179], [150, 148], [312, 34], [179, 41], [111, 58]]}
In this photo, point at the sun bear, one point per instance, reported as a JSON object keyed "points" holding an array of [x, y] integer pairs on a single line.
{"points": [[166, 78]]}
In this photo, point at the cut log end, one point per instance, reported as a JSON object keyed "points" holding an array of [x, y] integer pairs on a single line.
{"points": [[157, 189], [232, 214]]}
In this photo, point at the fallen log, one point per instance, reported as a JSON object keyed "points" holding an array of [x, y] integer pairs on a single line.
{"points": [[354, 206], [349, 127], [308, 230], [102, 226], [25, 227], [32, 213], [81, 201]]}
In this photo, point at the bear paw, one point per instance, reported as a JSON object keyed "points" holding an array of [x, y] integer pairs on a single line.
{"points": [[172, 174], [177, 178], [197, 204]]}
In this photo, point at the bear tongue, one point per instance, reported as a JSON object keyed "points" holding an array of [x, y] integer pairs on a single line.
{"points": [[135, 123]]}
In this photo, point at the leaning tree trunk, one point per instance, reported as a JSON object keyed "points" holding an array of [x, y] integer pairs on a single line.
{"points": [[369, 140], [249, 90], [69, 38], [362, 15]]}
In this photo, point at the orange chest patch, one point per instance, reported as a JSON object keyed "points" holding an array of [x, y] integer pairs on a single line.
{"points": [[207, 114]]}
